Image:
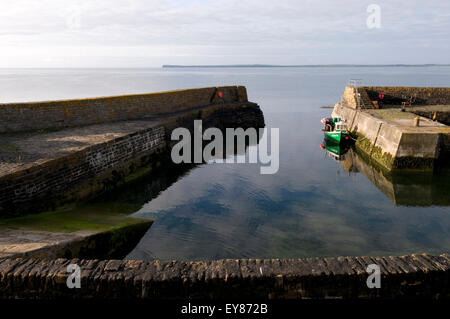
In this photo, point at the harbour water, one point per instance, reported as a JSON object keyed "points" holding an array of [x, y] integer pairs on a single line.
{"points": [[313, 206]]}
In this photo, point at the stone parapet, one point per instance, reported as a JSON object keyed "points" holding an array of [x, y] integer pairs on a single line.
{"points": [[16, 117], [415, 276]]}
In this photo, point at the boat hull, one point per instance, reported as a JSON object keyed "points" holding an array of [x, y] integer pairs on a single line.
{"points": [[336, 137]]}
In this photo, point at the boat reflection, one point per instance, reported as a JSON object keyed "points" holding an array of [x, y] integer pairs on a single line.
{"points": [[334, 150]]}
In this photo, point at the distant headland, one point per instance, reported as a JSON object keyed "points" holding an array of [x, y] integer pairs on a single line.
{"points": [[298, 65]]}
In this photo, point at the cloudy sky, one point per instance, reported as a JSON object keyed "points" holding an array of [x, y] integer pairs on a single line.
{"points": [[138, 33]]}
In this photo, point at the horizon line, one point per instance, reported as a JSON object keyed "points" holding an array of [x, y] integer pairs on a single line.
{"points": [[231, 66], [298, 65]]}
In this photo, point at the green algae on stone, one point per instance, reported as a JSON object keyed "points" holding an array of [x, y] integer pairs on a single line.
{"points": [[383, 158], [9, 148], [73, 218]]}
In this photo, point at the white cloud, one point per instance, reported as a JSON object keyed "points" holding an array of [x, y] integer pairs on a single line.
{"points": [[218, 31]]}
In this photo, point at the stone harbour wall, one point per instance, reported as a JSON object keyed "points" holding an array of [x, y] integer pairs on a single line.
{"points": [[34, 189], [415, 276], [377, 139], [398, 94], [348, 98], [389, 145], [394, 95], [15, 117], [94, 169]]}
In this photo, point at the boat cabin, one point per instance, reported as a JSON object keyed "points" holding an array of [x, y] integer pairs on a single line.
{"points": [[340, 127]]}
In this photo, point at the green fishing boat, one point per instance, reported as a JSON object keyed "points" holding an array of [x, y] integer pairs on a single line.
{"points": [[335, 130]]}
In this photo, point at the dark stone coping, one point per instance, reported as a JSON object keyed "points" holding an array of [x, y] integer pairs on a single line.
{"points": [[409, 276]]}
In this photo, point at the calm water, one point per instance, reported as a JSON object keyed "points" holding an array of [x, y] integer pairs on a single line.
{"points": [[312, 207]]}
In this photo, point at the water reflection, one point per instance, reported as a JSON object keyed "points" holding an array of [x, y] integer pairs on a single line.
{"points": [[311, 207], [306, 209], [404, 188], [334, 150]]}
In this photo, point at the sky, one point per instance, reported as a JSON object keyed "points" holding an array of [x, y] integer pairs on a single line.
{"points": [[138, 33]]}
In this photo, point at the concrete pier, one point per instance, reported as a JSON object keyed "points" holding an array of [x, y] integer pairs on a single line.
{"points": [[388, 135]]}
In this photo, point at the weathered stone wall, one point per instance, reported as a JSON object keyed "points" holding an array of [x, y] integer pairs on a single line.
{"points": [[418, 145], [416, 276], [424, 95], [33, 189], [68, 113], [372, 132], [397, 95], [389, 145], [90, 171], [348, 98]]}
